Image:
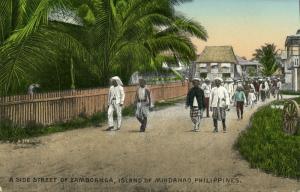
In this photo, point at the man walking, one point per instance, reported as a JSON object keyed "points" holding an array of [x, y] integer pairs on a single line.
{"points": [[116, 97], [206, 87], [219, 103], [195, 100], [143, 103]]}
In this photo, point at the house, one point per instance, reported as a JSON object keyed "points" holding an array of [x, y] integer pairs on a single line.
{"points": [[249, 68], [291, 58], [217, 61]]}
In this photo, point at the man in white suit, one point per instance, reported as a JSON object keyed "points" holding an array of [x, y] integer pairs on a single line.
{"points": [[219, 102], [116, 97]]}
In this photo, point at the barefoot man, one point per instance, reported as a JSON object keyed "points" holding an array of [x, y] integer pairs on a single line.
{"points": [[116, 97], [219, 102]]}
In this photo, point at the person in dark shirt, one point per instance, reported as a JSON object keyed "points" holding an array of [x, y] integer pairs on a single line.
{"points": [[196, 101]]}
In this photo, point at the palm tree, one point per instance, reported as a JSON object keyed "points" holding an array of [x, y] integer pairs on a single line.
{"points": [[28, 42], [130, 34], [266, 55], [117, 37]]}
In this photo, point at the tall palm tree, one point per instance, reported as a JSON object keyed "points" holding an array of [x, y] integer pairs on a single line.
{"points": [[130, 34], [266, 55]]}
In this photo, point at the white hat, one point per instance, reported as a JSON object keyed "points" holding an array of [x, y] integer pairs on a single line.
{"points": [[118, 80], [196, 79], [218, 78]]}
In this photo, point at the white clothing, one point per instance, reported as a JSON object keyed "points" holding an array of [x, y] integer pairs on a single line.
{"points": [[116, 93], [141, 93], [195, 102], [114, 107], [267, 86], [219, 97], [251, 98], [207, 89], [279, 85]]}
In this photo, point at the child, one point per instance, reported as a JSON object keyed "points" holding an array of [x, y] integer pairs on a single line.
{"points": [[252, 98]]}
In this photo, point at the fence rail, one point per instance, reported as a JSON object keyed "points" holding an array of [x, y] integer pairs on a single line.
{"points": [[53, 107]]}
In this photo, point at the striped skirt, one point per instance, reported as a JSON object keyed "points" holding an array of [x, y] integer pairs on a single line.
{"points": [[196, 115], [219, 113]]}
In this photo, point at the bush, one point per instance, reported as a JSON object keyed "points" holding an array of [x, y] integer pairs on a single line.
{"points": [[267, 147]]}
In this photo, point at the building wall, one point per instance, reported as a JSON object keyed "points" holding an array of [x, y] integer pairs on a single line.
{"points": [[214, 70]]}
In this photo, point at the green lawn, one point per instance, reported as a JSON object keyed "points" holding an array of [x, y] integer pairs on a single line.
{"points": [[265, 146]]}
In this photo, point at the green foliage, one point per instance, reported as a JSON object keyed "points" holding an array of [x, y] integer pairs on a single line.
{"points": [[251, 71], [266, 55], [117, 38], [267, 147]]}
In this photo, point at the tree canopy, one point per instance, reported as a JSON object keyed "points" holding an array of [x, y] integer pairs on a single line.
{"points": [[113, 37]]}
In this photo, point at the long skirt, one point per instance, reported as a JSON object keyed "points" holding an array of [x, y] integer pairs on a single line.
{"points": [[196, 115], [219, 113], [142, 110]]}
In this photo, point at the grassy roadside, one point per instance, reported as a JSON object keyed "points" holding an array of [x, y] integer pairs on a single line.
{"points": [[11, 132], [266, 147]]}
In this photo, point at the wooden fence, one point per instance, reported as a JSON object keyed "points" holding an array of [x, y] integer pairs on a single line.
{"points": [[53, 107]]}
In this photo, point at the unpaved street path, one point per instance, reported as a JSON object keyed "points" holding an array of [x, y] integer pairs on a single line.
{"points": [[167, 149]]}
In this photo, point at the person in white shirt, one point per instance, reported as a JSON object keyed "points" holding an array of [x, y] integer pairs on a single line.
{"points": [[206, 87], [143, 104], [251, 97], [32, 88], [116, 97], [279, 89], [219, 101], [229, 86]]}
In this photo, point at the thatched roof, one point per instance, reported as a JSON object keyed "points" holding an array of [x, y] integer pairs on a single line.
{"points": [[217, 54]]}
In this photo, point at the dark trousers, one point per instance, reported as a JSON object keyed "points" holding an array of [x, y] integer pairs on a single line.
{"points": [[240, 108], [216, 124], [207, 106], [143, 123]]}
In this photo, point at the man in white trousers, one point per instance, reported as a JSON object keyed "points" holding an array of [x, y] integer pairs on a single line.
{"points": [[116, 97]]}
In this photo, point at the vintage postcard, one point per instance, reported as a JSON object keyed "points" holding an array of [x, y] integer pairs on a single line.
{"points": [[149, 95]]}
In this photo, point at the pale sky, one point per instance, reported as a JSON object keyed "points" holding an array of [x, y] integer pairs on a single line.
{"points": [[244, 24]]}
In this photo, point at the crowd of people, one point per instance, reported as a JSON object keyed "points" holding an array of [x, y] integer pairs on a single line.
{"points": [[216, 96]]}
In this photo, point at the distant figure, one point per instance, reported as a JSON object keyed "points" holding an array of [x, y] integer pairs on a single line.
{"points": [[143, 103], [239, 98], [206, 87], [252, 98], [32, 88], [116, 97], [219, 101], [195, 100], [279, 89], [263, 91]]}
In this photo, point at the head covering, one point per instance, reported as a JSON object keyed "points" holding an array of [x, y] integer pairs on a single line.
{"points": [[197, 79], [118, 80], [218, 78]]}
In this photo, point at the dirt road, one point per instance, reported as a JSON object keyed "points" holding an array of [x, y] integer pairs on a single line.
{"points": [[168, 157]]}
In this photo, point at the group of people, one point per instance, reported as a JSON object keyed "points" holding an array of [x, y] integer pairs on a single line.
{"points": [[211, 96], [116, 98], [216, 97]]}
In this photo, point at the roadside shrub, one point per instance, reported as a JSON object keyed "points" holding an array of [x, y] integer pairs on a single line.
{"points": [[267, 147]]}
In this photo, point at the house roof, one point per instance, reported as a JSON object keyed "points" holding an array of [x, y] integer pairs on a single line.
{"points": [[217, 54]]}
